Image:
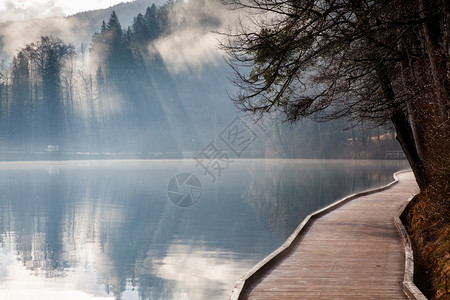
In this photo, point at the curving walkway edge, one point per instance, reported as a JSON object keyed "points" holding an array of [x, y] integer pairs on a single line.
{"points": [[348, 250]]}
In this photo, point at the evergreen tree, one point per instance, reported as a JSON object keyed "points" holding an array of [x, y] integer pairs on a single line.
{"points": [[114, 50], [162, 17], [151, 22], [52, 52], [140, 29], [3, 100], [20, 107]]}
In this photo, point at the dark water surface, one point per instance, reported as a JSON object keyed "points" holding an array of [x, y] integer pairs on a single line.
{"points": [[106, 229]]}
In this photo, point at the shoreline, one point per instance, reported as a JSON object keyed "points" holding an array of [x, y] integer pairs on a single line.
{"points": [[257, 272]]}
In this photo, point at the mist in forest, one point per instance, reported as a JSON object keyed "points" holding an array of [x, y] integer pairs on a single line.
{"points": [[153, 84]]}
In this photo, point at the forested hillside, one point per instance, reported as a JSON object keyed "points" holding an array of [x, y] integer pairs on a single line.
{"points": [[135, 88]]}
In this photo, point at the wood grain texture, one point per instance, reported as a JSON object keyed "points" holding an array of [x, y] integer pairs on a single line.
{"points": [[353, 252]]}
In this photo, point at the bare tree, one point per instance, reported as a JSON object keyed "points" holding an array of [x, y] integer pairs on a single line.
{"points": [[373, 60], [382, 61]]}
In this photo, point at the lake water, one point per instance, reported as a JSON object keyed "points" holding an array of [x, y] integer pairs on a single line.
{"points": [[107, 229]]}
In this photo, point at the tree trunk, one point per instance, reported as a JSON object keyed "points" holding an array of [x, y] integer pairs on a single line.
{"points": [[406, 139], [429, 107], [403, 129]]}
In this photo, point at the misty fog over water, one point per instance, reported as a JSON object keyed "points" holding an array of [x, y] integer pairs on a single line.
{"points": [[86, 229]]}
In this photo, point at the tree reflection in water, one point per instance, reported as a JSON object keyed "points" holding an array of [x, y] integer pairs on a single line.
{"points": [[106, 229]]}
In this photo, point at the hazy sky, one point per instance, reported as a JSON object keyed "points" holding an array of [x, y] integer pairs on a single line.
{"points": [[14, 10]]}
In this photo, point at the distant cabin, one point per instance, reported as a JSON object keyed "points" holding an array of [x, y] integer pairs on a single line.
{"points": [[395, 154]]}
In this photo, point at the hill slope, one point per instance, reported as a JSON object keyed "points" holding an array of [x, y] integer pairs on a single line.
{"points": [[76, 29]]}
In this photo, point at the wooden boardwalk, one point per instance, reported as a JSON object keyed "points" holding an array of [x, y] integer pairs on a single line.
{"points": [[352, 252]]}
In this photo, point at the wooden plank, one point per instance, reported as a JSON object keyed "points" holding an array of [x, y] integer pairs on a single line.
{"points": [[352, 252]]}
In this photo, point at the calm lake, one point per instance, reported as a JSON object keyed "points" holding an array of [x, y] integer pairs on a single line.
{"points": [[110, 229]]}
